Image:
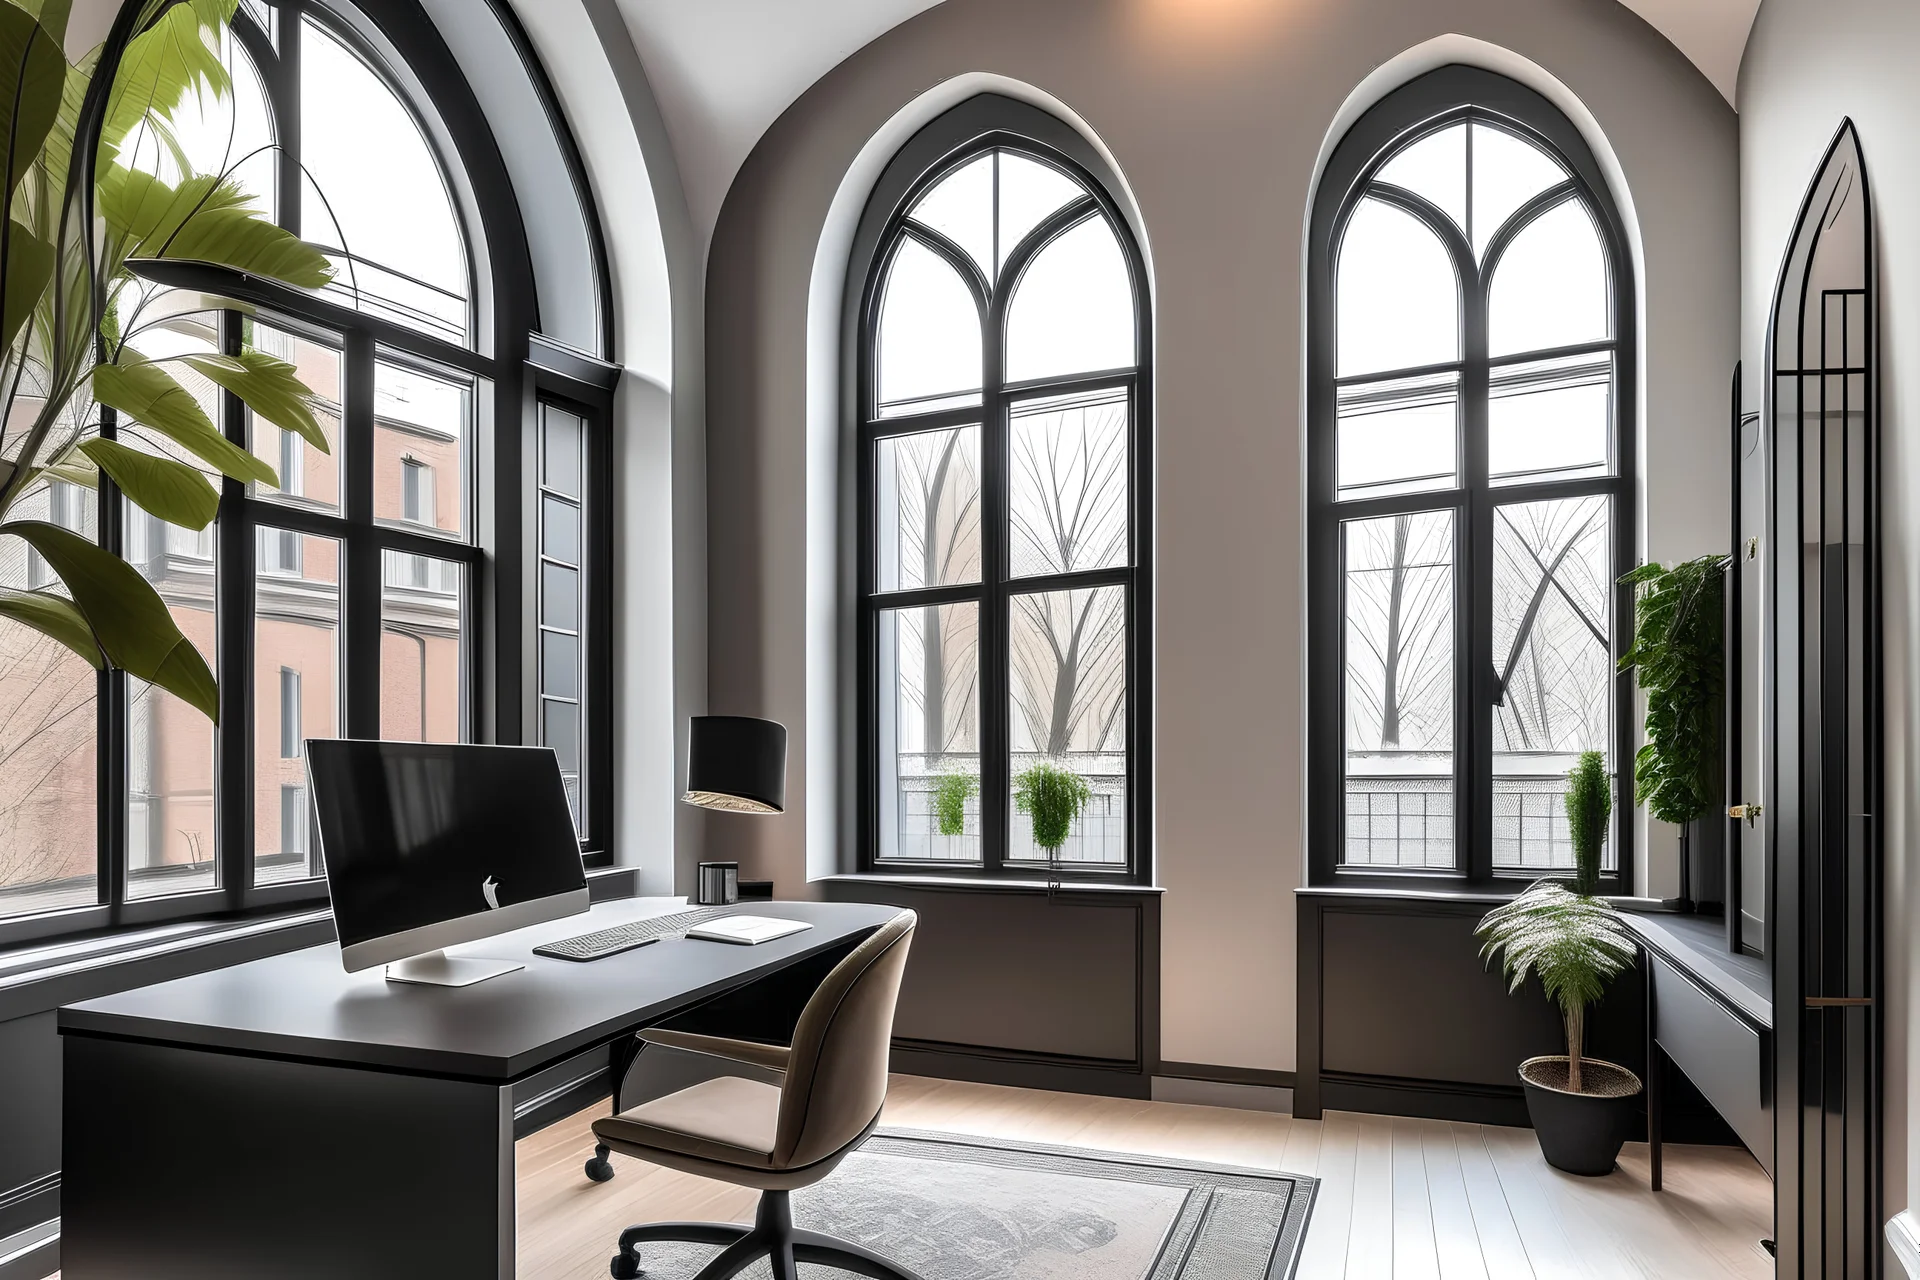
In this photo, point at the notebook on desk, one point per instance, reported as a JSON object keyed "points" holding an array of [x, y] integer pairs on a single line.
{"points": [[746, 930]]}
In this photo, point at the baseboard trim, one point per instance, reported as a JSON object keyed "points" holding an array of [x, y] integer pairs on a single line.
{"points": [[1425, 1099], [1254, 1076], [1019, 1070], [1903, 1235], [1214, 1093]]}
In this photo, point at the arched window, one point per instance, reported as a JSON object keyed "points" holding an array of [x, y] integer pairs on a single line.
{"points": [[1470, 465], [426, 569], [1001, 421]]}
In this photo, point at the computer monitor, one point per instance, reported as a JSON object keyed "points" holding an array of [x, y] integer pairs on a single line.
{"points": [[427, 845]]}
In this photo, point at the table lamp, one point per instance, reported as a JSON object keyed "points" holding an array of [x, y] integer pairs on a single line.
{"points": [[737, 764]]}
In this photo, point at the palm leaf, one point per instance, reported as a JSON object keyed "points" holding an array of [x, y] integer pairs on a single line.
{"points": [[55, 617], [270, 387], [28, 267], [149, 395], [125, 614], [172, 57], [174, 491], [33, 70]]}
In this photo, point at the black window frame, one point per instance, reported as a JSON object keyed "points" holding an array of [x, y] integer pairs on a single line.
{"points": [[980, 125], [1423, 106], [508, 361]]}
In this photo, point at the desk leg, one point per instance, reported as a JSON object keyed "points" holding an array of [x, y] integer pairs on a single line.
{"points": [[1656, 1070], [187, 1165]]}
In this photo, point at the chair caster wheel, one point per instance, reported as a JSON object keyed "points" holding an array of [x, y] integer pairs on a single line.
{"points": [[624, 1267], [599, 1170]]}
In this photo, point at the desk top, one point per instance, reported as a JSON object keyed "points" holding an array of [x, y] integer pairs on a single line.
{"points": [[303, 1005], [1698, 944]]}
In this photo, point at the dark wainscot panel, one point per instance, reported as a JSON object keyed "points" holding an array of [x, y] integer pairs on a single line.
{"points": [[1399, 1015], [1009, 984]]}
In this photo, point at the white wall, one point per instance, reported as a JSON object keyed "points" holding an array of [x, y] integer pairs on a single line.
{"points": [[659, 454], [1216, 116], [1810, 64]]}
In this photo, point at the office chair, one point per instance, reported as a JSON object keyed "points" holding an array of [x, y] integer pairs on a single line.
{"points": [[833, 1080]]}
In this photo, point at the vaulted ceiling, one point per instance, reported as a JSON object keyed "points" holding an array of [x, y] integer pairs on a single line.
{"points": [[724, 70]]}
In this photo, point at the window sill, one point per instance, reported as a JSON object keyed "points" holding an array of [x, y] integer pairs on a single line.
{"points": [[1476, 894], [985, 884]]}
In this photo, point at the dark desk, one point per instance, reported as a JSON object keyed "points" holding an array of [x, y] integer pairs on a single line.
{"points": [[283, 1118], [1710, 1013]]}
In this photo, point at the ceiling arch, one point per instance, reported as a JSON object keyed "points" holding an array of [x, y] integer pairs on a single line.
{"points": [[724, 70]]}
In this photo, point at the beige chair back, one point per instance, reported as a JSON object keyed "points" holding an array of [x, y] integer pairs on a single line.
{"points": [[837, 1074]]}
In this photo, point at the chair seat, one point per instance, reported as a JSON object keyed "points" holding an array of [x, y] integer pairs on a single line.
{"points": [[727, 1119]]}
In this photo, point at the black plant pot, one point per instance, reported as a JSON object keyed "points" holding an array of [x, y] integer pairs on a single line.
{"points": [[1580, 1132]]}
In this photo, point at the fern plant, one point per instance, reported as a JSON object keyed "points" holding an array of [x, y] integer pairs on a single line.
{"points": [[81, 205], [1677, 653], [1053, 797], [1589, 803], [1573, 942], [950, 796]]}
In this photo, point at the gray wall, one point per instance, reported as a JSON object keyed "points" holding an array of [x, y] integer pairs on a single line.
{"points": [[1809, 65], [1219, 133]]}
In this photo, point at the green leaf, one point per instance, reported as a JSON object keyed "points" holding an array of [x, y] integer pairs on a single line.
{"points": [[124, 612], [174, 491], [33, 71], [52, 16], [205, 219], [28, 264], [270, 387], [148, 394], [54, 617], [162, 65]]}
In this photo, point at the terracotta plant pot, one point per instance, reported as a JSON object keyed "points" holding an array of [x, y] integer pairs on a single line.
{"points": [[1581, 1132]]}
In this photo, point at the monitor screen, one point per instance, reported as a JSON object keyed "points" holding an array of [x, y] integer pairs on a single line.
{"points": [[415, 835]]}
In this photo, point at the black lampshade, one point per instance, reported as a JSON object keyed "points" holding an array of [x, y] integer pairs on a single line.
{"points": [[737, 763]]}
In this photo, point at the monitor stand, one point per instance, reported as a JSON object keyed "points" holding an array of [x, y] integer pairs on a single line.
{"points": [[438, 969]]}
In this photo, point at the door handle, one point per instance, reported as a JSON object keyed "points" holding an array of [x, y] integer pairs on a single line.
{"points": [[1751, 812]]}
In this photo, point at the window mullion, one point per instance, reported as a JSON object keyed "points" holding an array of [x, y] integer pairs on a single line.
{"points": [[995, 646], [233, 628], [110, 747], [1473, 773], [361, 541]]}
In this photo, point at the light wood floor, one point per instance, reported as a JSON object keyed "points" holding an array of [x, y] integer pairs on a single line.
{"points": [[1398, 1198]]}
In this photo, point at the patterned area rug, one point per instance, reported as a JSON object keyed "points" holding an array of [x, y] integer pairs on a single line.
{"points": [[955, 1208]]}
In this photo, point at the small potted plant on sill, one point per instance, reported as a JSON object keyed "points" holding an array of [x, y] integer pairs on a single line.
{"points": [[1582, 1108], [1053, 797], [950, 795]]}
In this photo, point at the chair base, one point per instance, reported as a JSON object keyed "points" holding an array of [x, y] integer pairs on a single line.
{"points": [[772, 1236]]}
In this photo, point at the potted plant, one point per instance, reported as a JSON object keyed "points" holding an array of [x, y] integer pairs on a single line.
{"points": [[950, 796], [1582, 1108], [78, 397], [1677, 656], [1053, 796]]}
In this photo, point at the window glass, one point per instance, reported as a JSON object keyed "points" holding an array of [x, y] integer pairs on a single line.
{"points": [[308, 477], [1398, 303], [1067, 510], [1550, 288], [1068, 659], [421, 429], [296, 640], [364, 157], [1072, 310], [1399, 690], [1398, 436], [1435, 168], [227, 134], [1552, 628], [1030, 192], [1551, 419], [929, 729], [562, 603], [1508, 171], [960, 207], [928, 509], [423, 656], [928, 350]]}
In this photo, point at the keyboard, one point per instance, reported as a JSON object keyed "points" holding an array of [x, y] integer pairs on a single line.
{"points": [[625, 937]]}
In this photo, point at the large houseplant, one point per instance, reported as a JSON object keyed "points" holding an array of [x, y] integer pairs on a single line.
{"points": [[1572, 940], [83, 203]]}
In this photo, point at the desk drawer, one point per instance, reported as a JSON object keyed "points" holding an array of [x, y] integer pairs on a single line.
{"points": [[1723, 1056]]}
